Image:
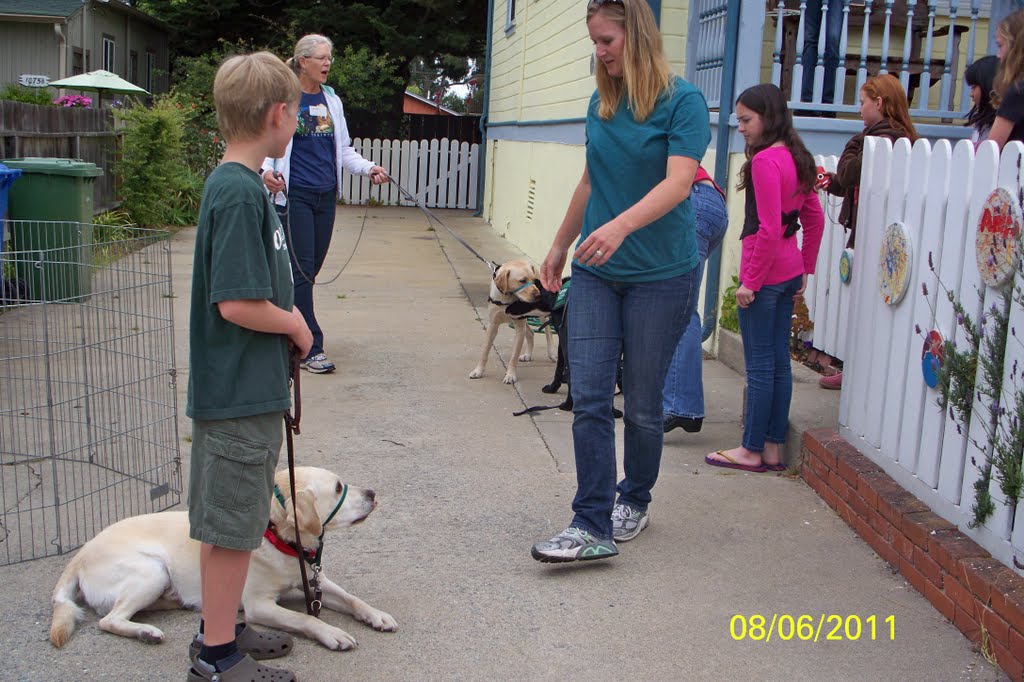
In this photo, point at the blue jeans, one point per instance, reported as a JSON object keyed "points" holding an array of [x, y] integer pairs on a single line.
{"points": [[809, 56], [642, 323], [311, 225], [684, 383], [766, 327]]}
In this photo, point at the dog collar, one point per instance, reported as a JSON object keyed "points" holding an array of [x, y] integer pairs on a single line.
{"points": [[288, 548]]}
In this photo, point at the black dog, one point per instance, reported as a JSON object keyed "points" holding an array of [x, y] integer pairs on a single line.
{"points": [[558, 321]]}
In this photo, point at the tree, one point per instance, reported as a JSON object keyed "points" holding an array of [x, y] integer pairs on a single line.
{"points": [[397, 30]]}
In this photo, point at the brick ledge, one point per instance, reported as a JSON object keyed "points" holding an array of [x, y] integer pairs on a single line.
{"points": [[961, 580]]}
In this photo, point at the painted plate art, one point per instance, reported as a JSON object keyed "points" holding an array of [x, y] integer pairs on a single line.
{"points": [[996, 245], [894, 260], [846, 266], [932, 356]]}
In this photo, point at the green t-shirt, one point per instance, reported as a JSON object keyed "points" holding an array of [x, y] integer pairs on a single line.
{"points": [[625, 160], [241, 253]]}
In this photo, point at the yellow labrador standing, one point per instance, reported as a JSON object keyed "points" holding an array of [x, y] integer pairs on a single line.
{"points": [[514, 281], [149, 562]]}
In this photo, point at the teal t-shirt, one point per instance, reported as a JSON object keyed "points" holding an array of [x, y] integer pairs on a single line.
{"points": [[240, 253], [625, 160]]}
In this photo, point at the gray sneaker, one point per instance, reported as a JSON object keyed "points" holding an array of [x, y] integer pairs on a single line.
{"points": [[573, 544], [628, 521], [318, 364]]}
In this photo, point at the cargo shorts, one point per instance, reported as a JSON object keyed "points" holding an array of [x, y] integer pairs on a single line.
{"points": [[231, 480]]}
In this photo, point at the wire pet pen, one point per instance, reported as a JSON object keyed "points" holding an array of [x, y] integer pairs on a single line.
{"points": [[88, 413]]}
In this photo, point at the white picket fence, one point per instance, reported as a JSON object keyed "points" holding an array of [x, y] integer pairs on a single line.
{"points": [[886, 409], [440, 173]]}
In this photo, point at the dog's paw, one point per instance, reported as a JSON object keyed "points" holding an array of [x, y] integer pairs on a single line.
{"points": [[525, 357], [510, 378], [379, 620], [476, 373], [150, 635], [337, 639]]}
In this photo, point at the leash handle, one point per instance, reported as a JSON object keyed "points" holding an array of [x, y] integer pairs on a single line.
{"points": [[291, 428]]}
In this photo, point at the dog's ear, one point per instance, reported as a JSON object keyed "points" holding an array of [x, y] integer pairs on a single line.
{"points": [[501, 278], [534, 271], [309, 517]]}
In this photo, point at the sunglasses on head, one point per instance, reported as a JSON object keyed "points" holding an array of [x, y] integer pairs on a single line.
{"points": [[597, 4]]}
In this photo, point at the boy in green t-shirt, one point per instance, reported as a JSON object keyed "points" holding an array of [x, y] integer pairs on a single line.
{"points": [[242, 323]]}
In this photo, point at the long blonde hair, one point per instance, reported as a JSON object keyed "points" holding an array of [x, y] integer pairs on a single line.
{"points": [[1011, 67], [645, 71]]}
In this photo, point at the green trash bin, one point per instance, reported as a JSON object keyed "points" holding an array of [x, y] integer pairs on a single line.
{"points": [[51, 226]]}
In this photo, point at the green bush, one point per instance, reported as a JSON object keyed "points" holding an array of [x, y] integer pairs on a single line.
{"points": [[729, 318], [12, 92], [151, 165]]}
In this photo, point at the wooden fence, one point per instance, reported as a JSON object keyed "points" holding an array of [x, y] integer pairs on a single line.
{"points": [[439, 173], [886, 409], [63, 132]]}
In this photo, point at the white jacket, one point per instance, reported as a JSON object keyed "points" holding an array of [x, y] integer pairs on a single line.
{"points": [[347, 158]]}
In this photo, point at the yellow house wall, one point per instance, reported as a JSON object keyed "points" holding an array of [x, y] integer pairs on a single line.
{"points": [[541, 70]]}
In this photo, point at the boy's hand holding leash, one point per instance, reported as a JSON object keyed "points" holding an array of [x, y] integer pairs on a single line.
{"points": [[300, 336]]}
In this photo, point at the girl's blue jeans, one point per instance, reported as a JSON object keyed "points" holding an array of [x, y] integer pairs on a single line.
{"points": [[765, 326]]}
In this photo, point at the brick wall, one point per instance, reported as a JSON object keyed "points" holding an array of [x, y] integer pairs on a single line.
{"points": [[982, 597]]}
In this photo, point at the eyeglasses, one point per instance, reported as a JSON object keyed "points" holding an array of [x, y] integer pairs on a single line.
{"points": [[327, 58], [597, 4]]}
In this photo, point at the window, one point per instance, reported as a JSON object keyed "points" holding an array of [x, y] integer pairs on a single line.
{"points": [[77, 67], [108, 53], [510, 17], [133, 67], [150, 69]]}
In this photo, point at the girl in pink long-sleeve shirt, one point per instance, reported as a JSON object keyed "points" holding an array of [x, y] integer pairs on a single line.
{"points": [[778, 177]]}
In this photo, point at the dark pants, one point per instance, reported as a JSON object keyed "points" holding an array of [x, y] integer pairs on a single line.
{"points": [[809, 56], [641, 322], [309, 221]]}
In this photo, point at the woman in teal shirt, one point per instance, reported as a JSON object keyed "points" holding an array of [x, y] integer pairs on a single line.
{"points": [[634, 274]]}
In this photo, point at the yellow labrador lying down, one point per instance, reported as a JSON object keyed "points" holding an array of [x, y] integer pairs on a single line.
{"points": [[149, 562]]}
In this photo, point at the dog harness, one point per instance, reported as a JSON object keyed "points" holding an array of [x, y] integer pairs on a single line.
{"points": [[512, 293]]}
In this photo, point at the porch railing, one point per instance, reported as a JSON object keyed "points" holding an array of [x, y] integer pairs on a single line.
{"points": [[887, 410], [926, 44]]}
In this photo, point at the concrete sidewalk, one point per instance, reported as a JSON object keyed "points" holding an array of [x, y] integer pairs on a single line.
{"points": [[465, 489]]}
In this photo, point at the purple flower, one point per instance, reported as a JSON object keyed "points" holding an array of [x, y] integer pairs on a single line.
{"points": [[924, 288], [917, 329], [932, 267]]}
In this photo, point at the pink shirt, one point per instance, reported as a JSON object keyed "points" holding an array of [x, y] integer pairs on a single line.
{"points": [[767, 257]]}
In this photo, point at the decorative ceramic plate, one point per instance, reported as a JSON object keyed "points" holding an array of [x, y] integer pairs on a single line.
{"points": [[932, 356], [846, 266], [996, 245], [894, 259]]}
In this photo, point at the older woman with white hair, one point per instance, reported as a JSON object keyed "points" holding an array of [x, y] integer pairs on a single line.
{"points": [[306, 181]]}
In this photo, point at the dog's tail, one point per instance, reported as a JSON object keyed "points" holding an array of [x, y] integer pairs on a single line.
{"points": [[66, 612]]}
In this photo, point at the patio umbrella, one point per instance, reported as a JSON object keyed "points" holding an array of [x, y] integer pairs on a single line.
{"points": [[101, 81]]}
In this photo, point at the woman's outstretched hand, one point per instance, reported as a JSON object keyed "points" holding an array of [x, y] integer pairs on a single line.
{"points": [[551, 269]]}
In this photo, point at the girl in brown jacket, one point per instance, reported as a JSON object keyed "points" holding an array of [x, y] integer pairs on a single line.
{"points": [[885, 111]]}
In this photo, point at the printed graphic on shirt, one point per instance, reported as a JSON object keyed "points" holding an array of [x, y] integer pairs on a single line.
{"points": [[315, 121]]}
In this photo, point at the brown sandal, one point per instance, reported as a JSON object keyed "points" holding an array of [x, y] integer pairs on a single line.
{"points": [[246, 670], [261, 645]]}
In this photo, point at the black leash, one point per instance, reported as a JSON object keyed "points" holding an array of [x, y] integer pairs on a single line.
{"points": [[291, 427], [291, 249], [491, 265]]}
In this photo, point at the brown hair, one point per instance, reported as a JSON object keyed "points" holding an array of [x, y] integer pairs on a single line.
{"points": [[1011, 67], [645, 71], [767, 101], [245, 88], [895, 106]]}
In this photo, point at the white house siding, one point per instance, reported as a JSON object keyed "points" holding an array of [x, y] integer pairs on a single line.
{"points": [[27, 48]]}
